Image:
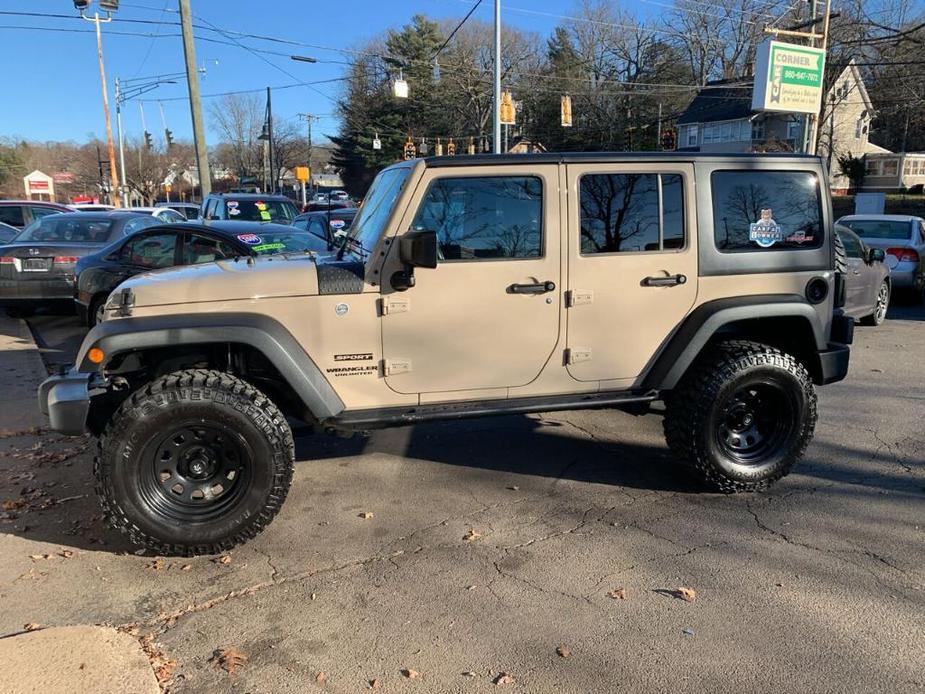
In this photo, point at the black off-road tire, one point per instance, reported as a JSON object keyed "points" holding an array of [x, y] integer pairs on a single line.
{"points": [[236, 422], [699, 410], [94, 308], [841, 255]]}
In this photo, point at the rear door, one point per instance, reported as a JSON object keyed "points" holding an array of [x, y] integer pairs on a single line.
{"points": [[856, 286], [632, 264]]}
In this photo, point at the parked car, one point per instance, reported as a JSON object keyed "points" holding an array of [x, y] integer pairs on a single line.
{"points": [[91, 207], [21, 213], [328, 226], [867, 279], [903, 239], [7, 232], [178, 244], [165, 215], [249, 207], [190, 210], [37, 268]]}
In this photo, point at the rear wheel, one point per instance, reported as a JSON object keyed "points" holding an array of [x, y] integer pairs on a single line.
{"points": [[194, 463], [742, 416], [881, 305]]}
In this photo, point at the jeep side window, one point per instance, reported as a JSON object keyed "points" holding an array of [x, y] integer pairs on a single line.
{"points": [[483, 218], [627, 213], [761, 210]]}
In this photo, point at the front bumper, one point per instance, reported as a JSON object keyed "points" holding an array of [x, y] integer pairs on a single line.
{"points": [[65, 399]]}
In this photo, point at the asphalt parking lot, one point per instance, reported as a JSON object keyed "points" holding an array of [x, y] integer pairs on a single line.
{"points": [[527, 554]]}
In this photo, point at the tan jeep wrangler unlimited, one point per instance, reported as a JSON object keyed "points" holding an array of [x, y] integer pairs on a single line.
{"points": [[472, 286]]}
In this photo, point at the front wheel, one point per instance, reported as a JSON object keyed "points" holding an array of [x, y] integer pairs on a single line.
{"points": [[742, 416], [878, 315], [194, 463]]}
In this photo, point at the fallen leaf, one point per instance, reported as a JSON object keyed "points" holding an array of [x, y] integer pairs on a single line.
{"points": [[156, 565], [618, 594], [321, 676], [504, 678], [37, 557], [66, 553], [375, 684], [31, 626], [514, 488], [13, 504], [410, 674], [224, 559], [186, 567], [366, 514], [230, 659], [314, 595], [564, 651], [470, 674], [686, 594], [471, 587], [472, 535]]}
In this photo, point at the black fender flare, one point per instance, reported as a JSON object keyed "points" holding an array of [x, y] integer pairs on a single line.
{"points": [[269, 337], [683, 346]]}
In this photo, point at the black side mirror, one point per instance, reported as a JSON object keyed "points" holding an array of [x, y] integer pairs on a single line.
{"points": [[415, 249], [418, 249], [876, 254]]}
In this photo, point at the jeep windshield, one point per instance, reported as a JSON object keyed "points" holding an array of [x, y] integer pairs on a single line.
{"points": [[377, 208]]}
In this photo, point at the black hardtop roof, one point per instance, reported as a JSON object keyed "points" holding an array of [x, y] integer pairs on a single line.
{"points": [[332, 212], [101, 215], [603, 157]]}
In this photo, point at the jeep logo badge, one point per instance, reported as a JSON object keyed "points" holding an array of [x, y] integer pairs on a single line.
{"points": [[35, 251], [341, 309]]}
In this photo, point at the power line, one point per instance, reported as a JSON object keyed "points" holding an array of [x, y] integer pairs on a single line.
{"points": [[458, 27]]}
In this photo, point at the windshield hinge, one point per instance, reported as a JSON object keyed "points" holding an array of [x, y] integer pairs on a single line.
{"points": [[393, 304]]}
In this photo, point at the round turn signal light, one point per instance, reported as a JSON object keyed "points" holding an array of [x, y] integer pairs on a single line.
{"points": [[96, 355]]}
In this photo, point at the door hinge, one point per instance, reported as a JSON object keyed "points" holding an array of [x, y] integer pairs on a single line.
{"points": [[578, 297], [574, 355], [393, 367], [394, 304]]}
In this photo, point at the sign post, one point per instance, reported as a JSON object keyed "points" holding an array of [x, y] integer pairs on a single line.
{"points": [[788, 78], [302, 175]]}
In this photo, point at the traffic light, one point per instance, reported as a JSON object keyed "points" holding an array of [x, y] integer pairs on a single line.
{"points": [[149, 141], [409, 151], [507, 109], [168, 135], [451, 148], [669, 140], [566, 109]]}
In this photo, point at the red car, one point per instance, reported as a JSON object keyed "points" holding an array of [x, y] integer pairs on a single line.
{"points": [[21, 213]]}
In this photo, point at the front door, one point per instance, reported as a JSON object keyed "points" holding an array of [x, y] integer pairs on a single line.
{"points": [[632, 264], [487, 317]]}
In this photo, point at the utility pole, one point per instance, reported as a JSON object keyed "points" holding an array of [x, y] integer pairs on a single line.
{"points": [[113, 174], [121, 142], [270, 140], [496, 100], [309, 118], [195, 100]]}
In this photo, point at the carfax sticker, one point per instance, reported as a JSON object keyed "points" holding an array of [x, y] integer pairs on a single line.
{"points": [[233, 204], [250, 239], [338, 223], [765, 232]]}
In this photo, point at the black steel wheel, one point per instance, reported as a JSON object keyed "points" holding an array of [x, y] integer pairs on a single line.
{"points": [[195, 462], [742, 416]]}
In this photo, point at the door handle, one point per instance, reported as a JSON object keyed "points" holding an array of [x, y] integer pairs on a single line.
{"points": [[537, 288], [669, 281]]}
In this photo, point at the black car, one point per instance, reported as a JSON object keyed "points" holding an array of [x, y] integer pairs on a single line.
{"points": [[37, 267], [329, 226], [249, 207], [7, 232], [169, 245]]}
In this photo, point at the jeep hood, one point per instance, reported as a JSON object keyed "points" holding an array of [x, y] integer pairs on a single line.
{"points": [[226, 280]]}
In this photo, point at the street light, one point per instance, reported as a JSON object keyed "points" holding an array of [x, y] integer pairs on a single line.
{"points": [[108, 6]]}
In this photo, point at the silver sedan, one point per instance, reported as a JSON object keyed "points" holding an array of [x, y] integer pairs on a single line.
{"points": [[902, 237]]}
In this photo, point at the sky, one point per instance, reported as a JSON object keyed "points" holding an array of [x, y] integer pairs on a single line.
{"points": [[57, 86]]}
